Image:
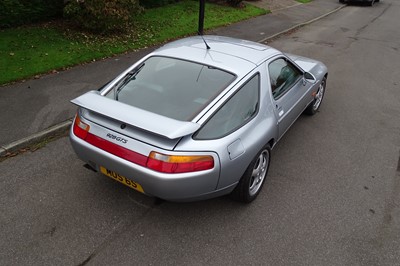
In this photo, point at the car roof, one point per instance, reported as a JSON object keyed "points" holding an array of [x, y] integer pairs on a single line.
{"points": [[234, 55]]}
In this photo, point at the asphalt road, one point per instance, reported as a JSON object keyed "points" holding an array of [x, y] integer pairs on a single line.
{"points": [[332, 196]]}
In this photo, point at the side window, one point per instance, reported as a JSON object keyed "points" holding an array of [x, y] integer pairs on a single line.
{"points": [[283, 76], [236, 112]]}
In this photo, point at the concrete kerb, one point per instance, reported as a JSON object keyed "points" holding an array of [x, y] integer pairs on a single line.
{"points": [[299, 25], [64, 126], [35, 138]]}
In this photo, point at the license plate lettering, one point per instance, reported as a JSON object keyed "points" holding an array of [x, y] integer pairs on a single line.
{"points": [[130, 183], [121, 179]]}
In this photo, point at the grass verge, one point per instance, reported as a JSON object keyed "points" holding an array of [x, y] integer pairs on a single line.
{"points": [[37, 49]]}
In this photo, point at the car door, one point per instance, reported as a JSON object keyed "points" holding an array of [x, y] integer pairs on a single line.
{"points": [[288, 88]]}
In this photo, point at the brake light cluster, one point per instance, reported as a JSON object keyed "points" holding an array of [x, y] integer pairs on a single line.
{"points": [[156, 161], [81, 129], [178, 163]]}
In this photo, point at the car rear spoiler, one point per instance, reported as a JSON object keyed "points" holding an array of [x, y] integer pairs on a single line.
{"points": [[154, 123]]}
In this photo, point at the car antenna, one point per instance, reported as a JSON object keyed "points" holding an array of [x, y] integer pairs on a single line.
{"points": [[208, 47]]}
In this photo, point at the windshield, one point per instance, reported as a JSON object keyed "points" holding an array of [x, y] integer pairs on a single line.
{"points": [[171, 87]]}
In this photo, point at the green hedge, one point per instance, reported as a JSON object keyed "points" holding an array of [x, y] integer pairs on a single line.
{"points": [[19, 12], [233, 3], [103, 16], [156, 3]]}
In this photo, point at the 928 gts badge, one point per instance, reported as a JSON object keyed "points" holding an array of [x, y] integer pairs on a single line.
{"points": [[111, 136]]}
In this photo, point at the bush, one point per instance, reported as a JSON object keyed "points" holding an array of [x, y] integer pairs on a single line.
{"points": [[234, 3], [18, 12], [156, 3], [103, 16]]}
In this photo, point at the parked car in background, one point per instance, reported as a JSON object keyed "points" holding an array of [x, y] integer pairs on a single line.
{"points": [[368, 2], [197, 118]]}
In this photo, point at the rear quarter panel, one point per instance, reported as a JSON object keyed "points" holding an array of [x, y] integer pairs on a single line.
{"points": [[251, 137]]}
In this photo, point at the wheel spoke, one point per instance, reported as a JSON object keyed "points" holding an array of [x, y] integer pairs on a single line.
{"points": [[256, 170]]}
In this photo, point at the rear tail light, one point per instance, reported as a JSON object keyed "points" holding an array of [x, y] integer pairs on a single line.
{"points": [[80, 128], [155, 161], [179, 164]]}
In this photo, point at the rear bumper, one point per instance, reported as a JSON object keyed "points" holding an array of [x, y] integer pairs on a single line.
{"points": [[173, 187]]}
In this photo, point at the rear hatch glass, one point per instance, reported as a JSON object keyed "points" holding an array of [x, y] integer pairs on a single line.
{"points": [[171, 87]]}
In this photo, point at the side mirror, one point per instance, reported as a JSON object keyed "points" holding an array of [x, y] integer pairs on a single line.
{"points": [[309, 77]]}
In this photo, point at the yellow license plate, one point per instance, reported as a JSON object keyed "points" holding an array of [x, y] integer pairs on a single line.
{"points": [[121, 179]]}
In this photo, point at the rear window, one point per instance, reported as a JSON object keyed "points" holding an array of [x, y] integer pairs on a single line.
{"points": [[171, 87]]}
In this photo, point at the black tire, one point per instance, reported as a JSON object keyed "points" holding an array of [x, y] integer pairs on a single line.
{"points": [[254, 177], [313, 107], [372, 2], [342, 1]]}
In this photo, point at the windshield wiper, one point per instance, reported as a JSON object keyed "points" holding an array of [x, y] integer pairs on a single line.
{"points": [[128, 77]]}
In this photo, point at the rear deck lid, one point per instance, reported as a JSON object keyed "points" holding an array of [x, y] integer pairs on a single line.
{"points": [[135, 117]]}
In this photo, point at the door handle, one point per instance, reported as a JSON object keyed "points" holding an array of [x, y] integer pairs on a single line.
{"points": [[280, 110]]}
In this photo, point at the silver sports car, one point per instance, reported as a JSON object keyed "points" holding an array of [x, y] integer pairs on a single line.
{"points": [[196, 118]]}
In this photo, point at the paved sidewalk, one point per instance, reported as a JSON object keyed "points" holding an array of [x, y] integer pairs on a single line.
{"points": [[37, 108]]}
